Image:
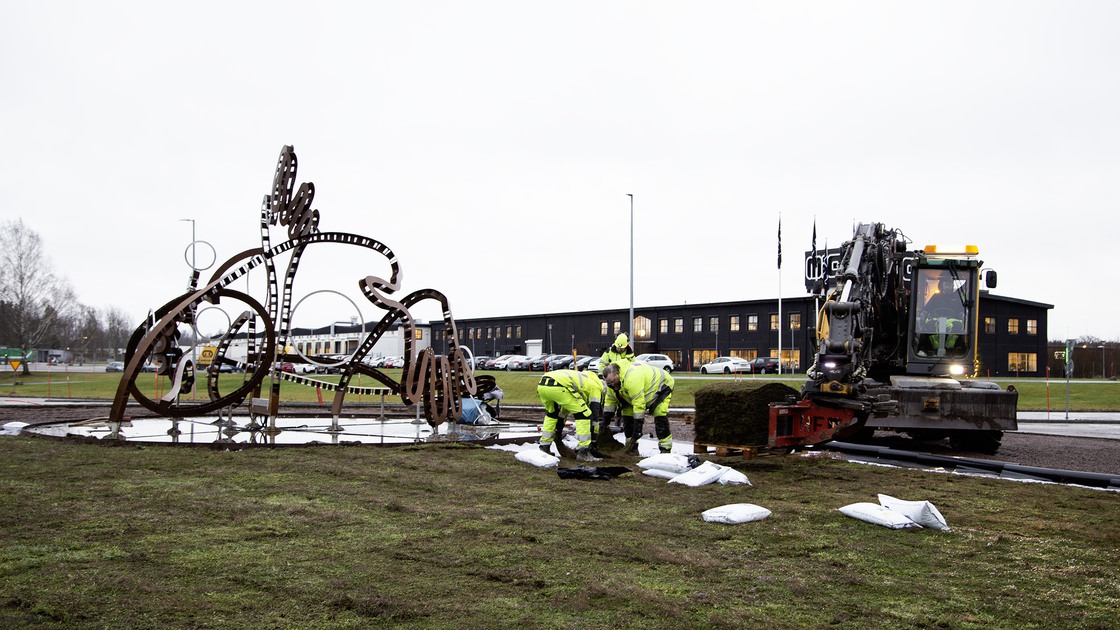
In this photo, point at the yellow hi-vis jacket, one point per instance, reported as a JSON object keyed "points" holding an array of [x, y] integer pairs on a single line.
{"points": [[620, 351], [638, 387], [586, 385]]}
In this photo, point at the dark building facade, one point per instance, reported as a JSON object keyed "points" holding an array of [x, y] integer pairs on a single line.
{"points": [[1012, 336]]}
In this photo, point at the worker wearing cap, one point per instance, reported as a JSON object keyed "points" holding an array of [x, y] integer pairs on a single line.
{"points": [[578, 393], [646, 389], [620, 351]]}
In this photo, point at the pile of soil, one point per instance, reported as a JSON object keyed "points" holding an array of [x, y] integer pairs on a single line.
{"points": [[737, 414]]}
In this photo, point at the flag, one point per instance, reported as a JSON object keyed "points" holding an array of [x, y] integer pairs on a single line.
{"points": [[779, 242], [813, 259]]}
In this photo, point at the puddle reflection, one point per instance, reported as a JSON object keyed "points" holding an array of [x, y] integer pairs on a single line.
{"points": [[290, 430]]}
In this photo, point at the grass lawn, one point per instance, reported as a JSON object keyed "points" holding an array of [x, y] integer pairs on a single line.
{"points": [[457, 536], [521, 388]]}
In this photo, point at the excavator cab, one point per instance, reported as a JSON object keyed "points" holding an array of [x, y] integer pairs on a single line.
{"points": [[943, 312]]}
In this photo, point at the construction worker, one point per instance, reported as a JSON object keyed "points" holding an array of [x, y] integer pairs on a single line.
{"points": [[577, 393], [620, 351], [644, 389]]}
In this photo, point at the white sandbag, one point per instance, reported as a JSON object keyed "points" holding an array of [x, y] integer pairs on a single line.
{"points": [[672, 462], [537, 457], [923, 513], [661, 474], [735, 513], [702, 475], [12, 428], [733, 477], [878, 515]]}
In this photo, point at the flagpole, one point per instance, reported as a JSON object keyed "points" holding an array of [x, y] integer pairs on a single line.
{"points": [[779, 294]]}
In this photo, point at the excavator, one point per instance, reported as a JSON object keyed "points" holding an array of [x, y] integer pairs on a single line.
{"points": [[897, 336]]}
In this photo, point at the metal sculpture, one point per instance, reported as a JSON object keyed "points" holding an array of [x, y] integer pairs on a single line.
{"points": [[437, 383]]}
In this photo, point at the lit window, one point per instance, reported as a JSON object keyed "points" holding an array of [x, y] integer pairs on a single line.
{"points": [[734, 324], [774, 325], [1032, 326], [990, 325], [603, 328], [1013, 327], [678, 325], [795, 321], [1022, 362], [663, 326], [752, 323], [642, 326], [617, 327]]}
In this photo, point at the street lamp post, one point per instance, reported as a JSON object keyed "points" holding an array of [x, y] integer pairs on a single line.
{"points": [[1104, 373], [630, 326], [194, 325]]}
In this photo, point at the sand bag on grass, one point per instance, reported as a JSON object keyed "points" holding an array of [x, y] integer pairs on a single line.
{"points": [[923, 513], [671, 462], [878, 515], [735, 513], [702, 475], [660, 474], [537, 457]]}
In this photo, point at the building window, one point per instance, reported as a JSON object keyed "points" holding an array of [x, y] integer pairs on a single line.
{"points": [[1032, 326], [713, 324], [603, 328], [678, 325], [752, 323], [663, 327], [617, 327], [745, 354], [416, 334], [774, 324], [795, 321], [700, 357], [489, 332], [698, 325], [509, 332], [1013, 326], [1022, 361], [517, 331], [642, 327], [733, 323], [990, 325]]}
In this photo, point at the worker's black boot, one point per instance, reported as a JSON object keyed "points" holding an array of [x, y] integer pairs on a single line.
{"points": [[632, 445], [584, 455], [547, 448], [594, 448]]}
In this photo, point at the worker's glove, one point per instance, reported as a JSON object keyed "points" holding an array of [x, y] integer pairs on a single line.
{"points": [[596, 411], [607, 415]]}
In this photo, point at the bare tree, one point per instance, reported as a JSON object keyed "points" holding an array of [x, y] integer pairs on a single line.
{"points": [[36, 300], [117, 329]]}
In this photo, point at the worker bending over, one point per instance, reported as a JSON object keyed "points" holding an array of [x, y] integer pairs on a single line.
{"points": [[577, 393], [645, 389]]}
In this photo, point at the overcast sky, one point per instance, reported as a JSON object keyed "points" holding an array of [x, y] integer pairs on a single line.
{"points": [[492, 145]]}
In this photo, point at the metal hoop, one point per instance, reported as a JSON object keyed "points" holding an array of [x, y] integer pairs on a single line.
{"points": [[342, 362], [213, 253]]}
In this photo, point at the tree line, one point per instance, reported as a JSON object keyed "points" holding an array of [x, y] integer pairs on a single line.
{"points": [[39, 309]]}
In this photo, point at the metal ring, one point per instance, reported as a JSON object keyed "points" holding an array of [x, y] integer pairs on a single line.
{"points": [[213, 253], [292, 315]]}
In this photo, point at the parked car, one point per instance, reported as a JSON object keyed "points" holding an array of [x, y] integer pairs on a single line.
{"points": [[656, 360], [544, 362], [593, 365], [561, 362], [762, 365], [287, 367], [114, 366], [503, 364], [522, 363], [583, 362], [394, 362], [726, 365], [479, 362]]}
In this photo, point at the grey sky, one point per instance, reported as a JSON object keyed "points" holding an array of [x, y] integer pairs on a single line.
{"points": [[492, 144]]}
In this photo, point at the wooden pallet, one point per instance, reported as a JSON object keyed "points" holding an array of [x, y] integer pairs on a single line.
{"points": [[728, 450]]}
